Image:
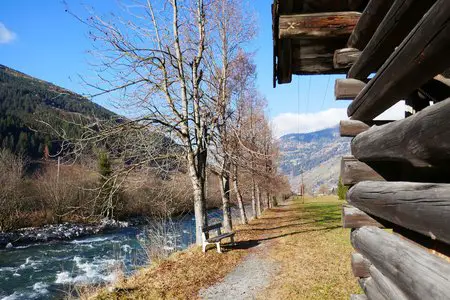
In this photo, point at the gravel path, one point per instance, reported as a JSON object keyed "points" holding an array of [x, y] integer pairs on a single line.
{"points": [[246, 281]]}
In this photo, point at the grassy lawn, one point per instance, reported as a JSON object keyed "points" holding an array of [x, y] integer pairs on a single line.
{"points": [[315, 254], [306, 240]]}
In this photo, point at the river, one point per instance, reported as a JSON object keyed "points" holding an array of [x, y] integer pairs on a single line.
{"points": [[50, 271]]}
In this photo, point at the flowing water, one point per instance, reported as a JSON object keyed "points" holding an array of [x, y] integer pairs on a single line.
{"points": [[50, 271]]}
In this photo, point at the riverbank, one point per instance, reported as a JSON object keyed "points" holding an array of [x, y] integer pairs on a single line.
{"points": [[301, 249], [56, 232], [68, 231]]}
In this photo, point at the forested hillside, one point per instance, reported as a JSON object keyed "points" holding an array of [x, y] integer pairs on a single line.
{"points": [[25, 100]]}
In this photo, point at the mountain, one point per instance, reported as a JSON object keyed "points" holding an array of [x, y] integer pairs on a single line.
{"points": [[317, 154], [24, 100]]}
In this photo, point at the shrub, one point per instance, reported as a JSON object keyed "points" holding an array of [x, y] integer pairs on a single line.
{"points": [[341, 190]]}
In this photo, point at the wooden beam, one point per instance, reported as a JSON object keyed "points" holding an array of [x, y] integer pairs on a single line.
{"points": [[358, 297], [399, 21], [422, 55], [371, 17], [315, 56], [416, 272], [355, 218], [422, 140], [370, 289], [360, 266], [317, 25], [284, 65], [437, 89], [421, 207], [354, 171], [351, 128], [345, 58], [386, 287], [347, 89]]}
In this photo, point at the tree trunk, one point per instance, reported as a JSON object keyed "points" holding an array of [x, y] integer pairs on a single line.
{"points": [[255, 215], [239, 197], [267, 200], [225, 193], [197, 172], [258, 200]]}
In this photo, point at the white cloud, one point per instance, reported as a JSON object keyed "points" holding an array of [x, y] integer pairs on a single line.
{"points": [[396, 112], [6, 35], [286, 123], [300, 123]]}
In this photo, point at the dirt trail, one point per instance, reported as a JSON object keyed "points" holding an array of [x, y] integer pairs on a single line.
{"points": [[295, 251], [255, 272], [245, 282]]}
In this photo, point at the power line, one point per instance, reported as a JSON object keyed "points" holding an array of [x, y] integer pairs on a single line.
{"points": [[309, 93], [326, 92]]}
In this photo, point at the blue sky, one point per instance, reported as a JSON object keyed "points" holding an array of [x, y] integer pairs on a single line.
{"points": [[39, 38]]}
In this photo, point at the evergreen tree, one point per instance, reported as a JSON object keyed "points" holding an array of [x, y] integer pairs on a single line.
{"points": [[107, 194], [341, 190]]}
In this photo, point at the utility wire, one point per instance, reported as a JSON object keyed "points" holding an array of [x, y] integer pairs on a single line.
{"points": [[309, 94], [326, 92]]}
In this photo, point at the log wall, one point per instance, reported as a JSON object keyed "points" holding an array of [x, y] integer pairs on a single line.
{"points": [[398, 174]]}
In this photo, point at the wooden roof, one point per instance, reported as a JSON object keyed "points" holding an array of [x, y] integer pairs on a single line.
{"points": [[405, 43], [307, 32]]}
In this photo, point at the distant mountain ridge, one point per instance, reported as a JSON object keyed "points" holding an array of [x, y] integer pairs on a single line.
{"points": [[25, 99], [316, 154]]}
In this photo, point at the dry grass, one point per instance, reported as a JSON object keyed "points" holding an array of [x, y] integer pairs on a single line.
{"points": [[307, 241], [314, 254]]}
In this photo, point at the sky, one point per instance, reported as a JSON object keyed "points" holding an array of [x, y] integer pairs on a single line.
{"points": [[40, 39]]}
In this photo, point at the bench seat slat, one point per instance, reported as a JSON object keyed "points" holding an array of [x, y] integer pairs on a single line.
{"points": [[211, 227], [220, 237]]}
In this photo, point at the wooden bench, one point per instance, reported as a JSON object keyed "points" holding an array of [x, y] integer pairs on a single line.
{"points": [[216, 239]]}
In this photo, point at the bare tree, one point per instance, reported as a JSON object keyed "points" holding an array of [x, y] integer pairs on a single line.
{"points": [[233, 27], [153, 64]]}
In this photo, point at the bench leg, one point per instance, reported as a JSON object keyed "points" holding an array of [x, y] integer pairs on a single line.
{"points": [[204, 247], [232, 240], [218, 248]]}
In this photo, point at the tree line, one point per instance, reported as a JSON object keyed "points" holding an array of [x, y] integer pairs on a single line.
{"points": [[182, 69]]}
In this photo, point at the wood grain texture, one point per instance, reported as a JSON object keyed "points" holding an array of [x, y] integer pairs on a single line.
{"points": [[370, 289], [371, 17], [358, 297], [386, 287], [421, 55], [354, 171], [422, 140], [360, 266], [416, 272], [345, 58], [353, 217], [421, 207], [351, 128], [318, 25], [399, 20], [347, 89], [315, 56], [284, 66]]}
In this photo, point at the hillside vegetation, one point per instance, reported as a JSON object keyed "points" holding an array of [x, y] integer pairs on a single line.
{"points": [[25, 100], [317, 154]]}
